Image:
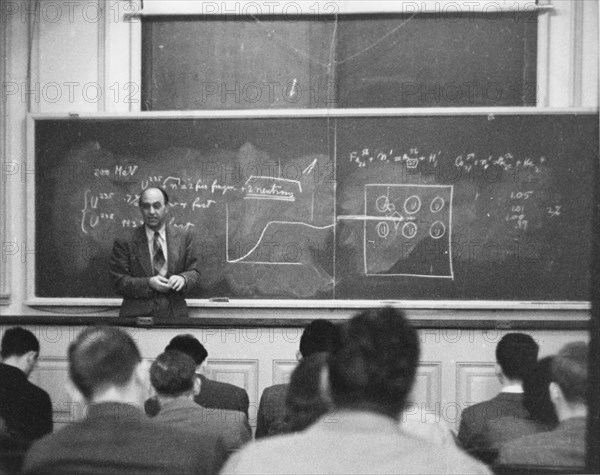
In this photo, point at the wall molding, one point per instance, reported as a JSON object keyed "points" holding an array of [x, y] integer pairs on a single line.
{"points": [[476, 381], [282, 370], [234, 371]]}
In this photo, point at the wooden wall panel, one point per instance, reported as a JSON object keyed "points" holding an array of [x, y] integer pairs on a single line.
{"points": [[282, 370]]}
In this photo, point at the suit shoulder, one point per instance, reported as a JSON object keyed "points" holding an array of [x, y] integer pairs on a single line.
{"points": [[275, 390], [228, 386]]}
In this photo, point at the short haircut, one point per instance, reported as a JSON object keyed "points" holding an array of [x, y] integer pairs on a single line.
{"points": [[376, 364], [101, 357], [17, 341], [162, 190], [536, 393], [319, 336], [189, 345], [570, 371], [173, 373], [517, 354], [305, 401]]}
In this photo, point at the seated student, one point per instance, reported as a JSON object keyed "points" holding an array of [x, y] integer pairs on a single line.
{"points": [[213, 394], [565, 445], [318, 336], [370, 377], [25, 409], [536, 399], [307, 396], [479, 433], [107, 374], [173, 376]]}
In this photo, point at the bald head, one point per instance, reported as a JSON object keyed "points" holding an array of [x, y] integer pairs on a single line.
{"points": [[154, 207]]}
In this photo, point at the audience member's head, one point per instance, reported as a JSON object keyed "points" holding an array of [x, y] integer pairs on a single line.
{"points": [[516, 354], [173, 374], [319, 336], [569, 379], [20, 348], [536, 394], [375, 367], [307, 397], [106, 358], [189, 345]]}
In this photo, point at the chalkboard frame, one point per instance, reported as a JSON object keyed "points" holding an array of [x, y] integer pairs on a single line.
{"points": [[100, 306]]}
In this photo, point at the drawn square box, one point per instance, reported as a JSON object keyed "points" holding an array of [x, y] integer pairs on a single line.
{"points": [[408, 230]]}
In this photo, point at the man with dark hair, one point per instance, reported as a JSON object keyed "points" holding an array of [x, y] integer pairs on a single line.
{"points": [[155, 267], [213, 394], [565, 445], [173, 376], [480, 432], [370, 376], [107, 374], [25, 409], [319, 336]]}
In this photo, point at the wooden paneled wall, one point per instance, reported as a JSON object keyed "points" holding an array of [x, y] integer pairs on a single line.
{"points": [[457, 367]]}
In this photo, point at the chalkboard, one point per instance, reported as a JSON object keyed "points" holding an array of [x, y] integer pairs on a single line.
{"points": [[393, 207]]}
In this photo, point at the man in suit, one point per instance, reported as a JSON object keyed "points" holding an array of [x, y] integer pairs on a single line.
{"points": [[154, 268], [320, 336], [370, 378], [213, 394], [107, 374], [25, 409], [565, 445], [173, 376], [480, 431]]}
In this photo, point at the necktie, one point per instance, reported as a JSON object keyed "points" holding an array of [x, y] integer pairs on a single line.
{"points": [[158, 258]]}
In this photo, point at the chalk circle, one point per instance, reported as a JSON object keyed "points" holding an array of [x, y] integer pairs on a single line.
{"points": [[383, 229], [383, 204], [437, 230], [437, 204], [409, 230], [412, 204]]}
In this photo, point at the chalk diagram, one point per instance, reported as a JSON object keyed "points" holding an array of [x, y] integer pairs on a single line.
{"points": [[407, 230], [267, 188]]}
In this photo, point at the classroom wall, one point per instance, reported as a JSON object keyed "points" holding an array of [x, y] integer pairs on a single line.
{"points": [[83, 57]]}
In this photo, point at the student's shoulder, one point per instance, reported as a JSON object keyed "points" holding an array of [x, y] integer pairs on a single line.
{"points": [[275, 391], [37, 392]]}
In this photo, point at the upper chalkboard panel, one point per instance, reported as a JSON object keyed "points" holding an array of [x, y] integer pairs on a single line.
{"points": [[332, 209]]}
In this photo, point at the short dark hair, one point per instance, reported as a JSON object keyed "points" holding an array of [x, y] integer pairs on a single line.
{"points": [[305, 401], [173, 373], [536, 394], [17, 341], [377, 362], [162, 190], [101, 357], [189, 345], [319, 336], [517, 354], [570, 371]]}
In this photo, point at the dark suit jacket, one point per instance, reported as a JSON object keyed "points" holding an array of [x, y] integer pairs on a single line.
{"points": [[561, 447], [25, 415], [483, 426], [25, 409], [119, 439], [218, 395], [272, 413], [230, 427], [131, 269], [213, 395]]}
